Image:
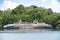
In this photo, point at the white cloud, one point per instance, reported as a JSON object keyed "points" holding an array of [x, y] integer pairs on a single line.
{"points": [[8, 4], [54, 4]]}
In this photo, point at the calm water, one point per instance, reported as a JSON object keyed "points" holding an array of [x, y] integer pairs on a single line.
{"points": [[40, 35]]}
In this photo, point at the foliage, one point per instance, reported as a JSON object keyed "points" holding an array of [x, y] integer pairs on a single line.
{"points": [[29, 14]]}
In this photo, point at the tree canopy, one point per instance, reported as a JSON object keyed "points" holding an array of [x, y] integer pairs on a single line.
{"points": [[29, 14]]}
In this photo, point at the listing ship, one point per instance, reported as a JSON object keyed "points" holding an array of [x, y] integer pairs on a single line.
{"points": [[25, 25]]}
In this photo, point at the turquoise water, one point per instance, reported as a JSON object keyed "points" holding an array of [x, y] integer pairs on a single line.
{"points": [[44, 35]]}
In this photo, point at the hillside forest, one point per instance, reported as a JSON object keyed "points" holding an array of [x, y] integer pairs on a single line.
{"points": [[29, 14]]}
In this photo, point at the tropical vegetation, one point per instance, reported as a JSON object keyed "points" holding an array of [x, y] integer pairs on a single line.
{"points": [[29, 14]]}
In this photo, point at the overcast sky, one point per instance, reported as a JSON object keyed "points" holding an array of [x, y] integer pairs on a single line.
{"points": [[54, 4]]}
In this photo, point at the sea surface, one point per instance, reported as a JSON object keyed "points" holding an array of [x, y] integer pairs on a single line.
{"points": [[29, 35]]}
